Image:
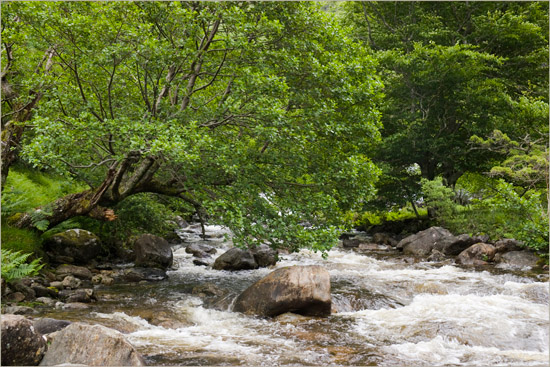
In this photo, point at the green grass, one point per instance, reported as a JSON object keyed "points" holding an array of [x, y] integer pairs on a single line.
{"points": [[26, 189], [24, 240]]}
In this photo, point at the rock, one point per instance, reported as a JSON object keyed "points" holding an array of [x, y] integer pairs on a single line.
{"points": [[102, 279], [46, 300], [26, 290], [76, 271], [78, 244], [71, 282], [46, 325], [19, 310], [208, 290], [235, 259], [73, 306], [139, 274], [264, 255], [454, 245], [78, 295], [41, 291], [153, 252], [519, 259], [507, 245], [22, 345], [57, 285], [200, 250], [482, 252], [436, 256], [304, 290], [384, 239], [422, 243], [351, 242], [202, 262], [92, 345], [14, 297]]}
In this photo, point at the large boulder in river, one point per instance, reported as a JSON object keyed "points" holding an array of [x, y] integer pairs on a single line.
{"points": [[153, 252], [77, 244], [303, 290], [508, 244], [22, 345], [235, 259], [92, 345], [478, 254], [454, 245], [422, 243]]}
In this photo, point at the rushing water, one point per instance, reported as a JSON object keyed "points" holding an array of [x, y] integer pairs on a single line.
{"points": [[386, 312]]}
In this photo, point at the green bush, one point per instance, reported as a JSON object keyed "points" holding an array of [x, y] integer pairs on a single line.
{"points": [[14, 265]]}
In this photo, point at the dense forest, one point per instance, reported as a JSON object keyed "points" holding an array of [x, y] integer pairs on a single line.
{"points": [[287, 122]]}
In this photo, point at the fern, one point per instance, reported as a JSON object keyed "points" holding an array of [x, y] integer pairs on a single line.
{"points": [[14, 265]]}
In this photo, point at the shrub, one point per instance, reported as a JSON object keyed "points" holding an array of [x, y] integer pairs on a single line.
{"points": [[14, 265]]}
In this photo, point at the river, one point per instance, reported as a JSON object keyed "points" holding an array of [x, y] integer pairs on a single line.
{"points": [[386, 312]]}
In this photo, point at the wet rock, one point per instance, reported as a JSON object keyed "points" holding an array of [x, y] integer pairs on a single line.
{"points": [[153, 252], [454, 245], [519, 259], [304, 290], [208, 290], [22, 345], [19, 310], [78, 244], [139, 274], [46, 325], [235, 259], [73, 306], [384, 239], [72, 345], [102, 279], [478, 254], [351, 242], [422, 243], [200, 250], [507, 245], [78, 295], [71, 282], [436, 256], [264, 255], [76, 271], [203, 262]]}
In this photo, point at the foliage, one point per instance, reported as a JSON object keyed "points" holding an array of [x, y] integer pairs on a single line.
{"points": [[257, 114], [14, 266], [28, 188], [23, 240], [453, 70], [495, 207]]}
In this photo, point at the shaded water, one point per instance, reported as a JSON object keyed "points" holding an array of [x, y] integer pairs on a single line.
{"points": [[385, 312]]}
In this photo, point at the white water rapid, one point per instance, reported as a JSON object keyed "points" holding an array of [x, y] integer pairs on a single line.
{"points": [[386, 312]]}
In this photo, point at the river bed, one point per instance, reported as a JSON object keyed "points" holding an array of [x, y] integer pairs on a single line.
{"points": [[386, 312]]}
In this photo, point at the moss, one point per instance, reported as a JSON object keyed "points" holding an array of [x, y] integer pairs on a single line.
{"points": [[24, 240], [14, 218]]}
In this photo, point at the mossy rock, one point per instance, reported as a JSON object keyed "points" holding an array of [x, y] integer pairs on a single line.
{"points": [[83, 246]]}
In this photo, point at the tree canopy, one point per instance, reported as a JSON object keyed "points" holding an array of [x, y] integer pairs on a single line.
{"points": [[256, 114]]}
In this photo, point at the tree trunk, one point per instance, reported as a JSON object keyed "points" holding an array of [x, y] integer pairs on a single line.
{"points": [[11, 137]]}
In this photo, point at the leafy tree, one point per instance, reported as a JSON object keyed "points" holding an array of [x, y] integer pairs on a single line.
{"points": [[256, 114], [453, 70]]}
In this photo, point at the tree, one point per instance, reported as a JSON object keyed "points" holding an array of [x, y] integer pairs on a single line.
{"points": [[256, 114], [453, 70]]}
